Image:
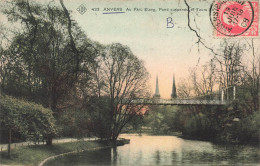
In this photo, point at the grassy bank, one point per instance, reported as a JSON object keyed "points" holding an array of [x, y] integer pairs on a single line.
{"points": [[33, 155]]}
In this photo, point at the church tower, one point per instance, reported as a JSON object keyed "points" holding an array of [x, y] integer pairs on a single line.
{"points": [[174, 94], [157, 93]]}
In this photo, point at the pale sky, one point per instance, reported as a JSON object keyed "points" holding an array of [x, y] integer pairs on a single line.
{"points": [[164, 50]]}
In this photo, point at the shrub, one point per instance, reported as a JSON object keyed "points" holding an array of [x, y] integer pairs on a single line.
{"points": [[25, 119], [248, 128]]}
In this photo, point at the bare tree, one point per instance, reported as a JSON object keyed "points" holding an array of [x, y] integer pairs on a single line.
{"points": [[251, 78], [120, 77], [184, 89]]}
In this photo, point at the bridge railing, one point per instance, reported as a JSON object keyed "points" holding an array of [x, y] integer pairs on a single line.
{"points": [[216, 98], [224, 94], [177, 102]]}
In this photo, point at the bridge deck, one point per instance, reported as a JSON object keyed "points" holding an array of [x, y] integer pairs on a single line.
{"points": [[178, 102]]}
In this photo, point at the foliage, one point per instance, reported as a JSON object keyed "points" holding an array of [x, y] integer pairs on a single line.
{"points": [[160, 119], [26, 118], [45, 55], [50, 60], [80, 123], [112, 81], [247, 130], [73, 123], [222, 73], [40, 59], [118, 77]]}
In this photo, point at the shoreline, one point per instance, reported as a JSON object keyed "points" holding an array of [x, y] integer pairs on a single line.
{"points": [[179, 135], [64, 154], [40, 154]]}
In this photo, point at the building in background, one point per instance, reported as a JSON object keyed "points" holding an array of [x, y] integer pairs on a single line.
{"points": [[174, 93], [157, 93]]}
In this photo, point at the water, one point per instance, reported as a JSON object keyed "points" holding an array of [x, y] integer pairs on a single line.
{"points": [[164, 150]]}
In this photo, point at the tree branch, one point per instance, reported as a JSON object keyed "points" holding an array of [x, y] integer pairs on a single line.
{"points": [[196, 32]]}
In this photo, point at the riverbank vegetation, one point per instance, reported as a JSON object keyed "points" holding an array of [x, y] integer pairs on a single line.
{"points": [[231, 76], [34, 154], [24, 120], [56, 82], [217, 124]]}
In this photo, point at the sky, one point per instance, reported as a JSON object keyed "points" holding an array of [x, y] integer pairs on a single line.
{"points": [[165, 51]]}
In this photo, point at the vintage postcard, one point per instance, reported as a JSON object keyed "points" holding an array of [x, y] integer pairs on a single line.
{"points": [[129, 82]]}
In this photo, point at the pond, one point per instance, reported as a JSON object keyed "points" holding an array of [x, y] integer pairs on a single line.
{"points": [[164, 150]]}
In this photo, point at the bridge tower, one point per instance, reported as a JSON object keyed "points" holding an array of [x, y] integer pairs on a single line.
{"points": [[157, 94], [174, 94]]}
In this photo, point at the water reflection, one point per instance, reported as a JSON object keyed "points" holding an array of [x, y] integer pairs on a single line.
{"points": [[165, 150], [97, 157], [157, 157], [114, 155]]}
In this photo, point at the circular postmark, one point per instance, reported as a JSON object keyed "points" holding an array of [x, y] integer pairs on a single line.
{"points": [[231, 18]]}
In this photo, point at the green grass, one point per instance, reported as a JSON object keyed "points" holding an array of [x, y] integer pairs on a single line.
{"points": [[33, 155]]}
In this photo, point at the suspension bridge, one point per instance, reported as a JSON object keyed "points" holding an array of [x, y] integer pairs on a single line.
{"points": [[222, 97]]}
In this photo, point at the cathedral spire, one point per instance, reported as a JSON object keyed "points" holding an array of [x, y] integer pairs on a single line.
{"points": [[173, 95], [157, 93]]}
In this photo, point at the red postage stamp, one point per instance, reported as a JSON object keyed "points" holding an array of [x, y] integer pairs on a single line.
{"points": [[235, 18]]}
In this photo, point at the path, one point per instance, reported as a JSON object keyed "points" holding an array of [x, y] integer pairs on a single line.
{"points": [[55, 141]]}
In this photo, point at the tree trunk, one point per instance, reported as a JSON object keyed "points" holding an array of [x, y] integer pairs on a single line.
{"points": [[49, 140], [9, 143]]}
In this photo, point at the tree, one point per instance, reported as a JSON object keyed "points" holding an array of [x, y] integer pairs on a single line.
{"points": [[251, 77], [161, 119], [203, 80], [236, 65], [45, 45], [51, 59], [25, 118], [119, 77]]}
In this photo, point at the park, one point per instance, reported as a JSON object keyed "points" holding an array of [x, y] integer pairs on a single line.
{"points": [[68, 98]]}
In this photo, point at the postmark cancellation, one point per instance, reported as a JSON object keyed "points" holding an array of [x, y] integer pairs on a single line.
{"points": [[235, 18]]}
